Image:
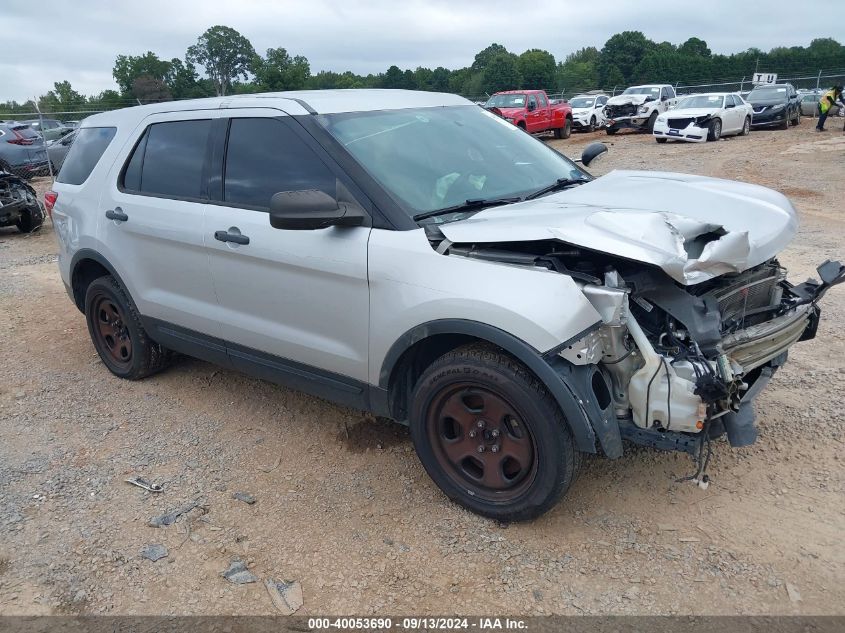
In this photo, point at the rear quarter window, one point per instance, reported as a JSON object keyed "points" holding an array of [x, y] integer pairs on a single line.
{"points": [[84, 154]]}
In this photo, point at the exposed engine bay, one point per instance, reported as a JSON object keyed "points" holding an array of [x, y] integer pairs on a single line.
{"points": [[682, 363], [18, 201]]}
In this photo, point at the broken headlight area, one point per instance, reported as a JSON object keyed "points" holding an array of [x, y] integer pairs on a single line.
{"points": [[683, 362]]}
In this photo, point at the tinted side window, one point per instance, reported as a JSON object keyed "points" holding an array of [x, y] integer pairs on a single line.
{"points": [[84, 154], [132, 173], [532, 101], [542, 100], [264, 157], [172, 158]]}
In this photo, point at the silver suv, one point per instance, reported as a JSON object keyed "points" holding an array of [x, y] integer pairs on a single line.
{"points": [[410, 254]]}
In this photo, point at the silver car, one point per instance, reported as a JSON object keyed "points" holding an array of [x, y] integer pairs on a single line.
{"points": [[410, 254]]}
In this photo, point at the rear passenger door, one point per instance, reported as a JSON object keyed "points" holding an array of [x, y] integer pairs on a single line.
{"points": [[151, 223], [294, 304]]}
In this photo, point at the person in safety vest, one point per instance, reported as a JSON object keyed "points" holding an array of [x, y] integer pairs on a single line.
{"points": [[828, 100]]}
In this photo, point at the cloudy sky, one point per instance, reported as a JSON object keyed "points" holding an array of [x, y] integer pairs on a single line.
{"points": [[78, 40]]}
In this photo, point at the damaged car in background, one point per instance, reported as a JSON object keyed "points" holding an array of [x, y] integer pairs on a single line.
{"points": [[705, 117], [19, 205], [416, 256], [638, 107]]}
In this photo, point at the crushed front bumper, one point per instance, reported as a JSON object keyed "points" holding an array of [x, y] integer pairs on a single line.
{"points": [[691, 133], [632, 122]]}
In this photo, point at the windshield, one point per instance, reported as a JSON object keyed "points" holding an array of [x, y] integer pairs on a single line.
{"points": [[701, 101], [505, 101], [652, 91], [435, 158], [767, 93], [582, 102]]}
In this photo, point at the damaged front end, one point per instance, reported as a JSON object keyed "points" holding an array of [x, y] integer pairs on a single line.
{"points": [[18, 201], [682, 362]]}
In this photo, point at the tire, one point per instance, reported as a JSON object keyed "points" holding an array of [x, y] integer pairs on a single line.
{"points": [[651, 121], [785, 124], [592, 127], [565, 131], [521, 126], [611, 130], [797, 119], [660, 140], [116, 331], [714, 130], [504, 428], [32, 219], [746, 127]]}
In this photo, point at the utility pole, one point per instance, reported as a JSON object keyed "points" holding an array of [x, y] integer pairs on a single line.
{"points": [[46, 153]]}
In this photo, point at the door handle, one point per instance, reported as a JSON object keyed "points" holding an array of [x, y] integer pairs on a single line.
{"points": [[117, 214], [236, 238]]}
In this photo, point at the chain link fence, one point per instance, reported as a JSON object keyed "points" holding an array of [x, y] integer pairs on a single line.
{"points": [[34, 144], [808, 80]]}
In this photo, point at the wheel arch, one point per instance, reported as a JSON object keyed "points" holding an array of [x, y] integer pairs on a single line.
{"points": [[86, 266], [415, 350]]}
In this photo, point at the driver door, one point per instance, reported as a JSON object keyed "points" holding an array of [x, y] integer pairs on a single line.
{"points": [[293, 304]]}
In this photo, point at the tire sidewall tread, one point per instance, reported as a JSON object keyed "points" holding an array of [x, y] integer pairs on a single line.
{"points": [[148, 357], [559, 461]]}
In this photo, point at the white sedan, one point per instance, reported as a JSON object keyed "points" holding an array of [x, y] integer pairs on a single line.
{"points": [[705, 117]]}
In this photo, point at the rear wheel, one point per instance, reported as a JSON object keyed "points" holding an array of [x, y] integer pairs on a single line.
{"points": [[116, 331], [491, 436], [565, 131], [714, 130]]}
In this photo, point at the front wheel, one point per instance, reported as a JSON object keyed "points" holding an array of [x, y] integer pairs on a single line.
{"points": [[592, 127], [611, 130], [491, 436], [660, 140], [714, 130], [746, 127], [651, 121], [797, 119]]}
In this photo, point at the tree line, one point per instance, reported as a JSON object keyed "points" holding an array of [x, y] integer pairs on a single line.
{"points": [[223, 61]]}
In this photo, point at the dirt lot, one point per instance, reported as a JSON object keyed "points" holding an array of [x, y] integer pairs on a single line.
{"points": [[344, 506]]}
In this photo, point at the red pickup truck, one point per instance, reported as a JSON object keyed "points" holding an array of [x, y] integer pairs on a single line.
{"points": [[532, 111]]}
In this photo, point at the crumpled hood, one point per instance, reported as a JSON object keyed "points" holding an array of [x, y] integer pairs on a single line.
{"points": [[690, 112], [626, 99], [693, 227]]}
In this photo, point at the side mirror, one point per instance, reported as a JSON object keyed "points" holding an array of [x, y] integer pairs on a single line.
{"points": [[592, 153], [313, 209], [664, 98]]}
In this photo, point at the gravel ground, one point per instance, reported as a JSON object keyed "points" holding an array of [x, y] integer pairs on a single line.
{"points": [[343, 506]]}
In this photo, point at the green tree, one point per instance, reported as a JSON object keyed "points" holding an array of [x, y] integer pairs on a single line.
{"points": [[279, 71], [182, 80], [623, 51], [501, 73], [695, 46], [484, 57], [148, 89], [127, 68], [225, 54], [537, 69], [62, 99]]}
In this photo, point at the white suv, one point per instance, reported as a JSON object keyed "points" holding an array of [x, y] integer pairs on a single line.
{"points": [[411, 254]]}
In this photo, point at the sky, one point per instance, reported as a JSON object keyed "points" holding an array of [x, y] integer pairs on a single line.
{"points": [[78, 40]]}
